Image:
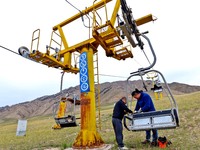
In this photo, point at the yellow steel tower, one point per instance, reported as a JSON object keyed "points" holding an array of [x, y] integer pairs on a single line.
{"points": [[105, 34]]}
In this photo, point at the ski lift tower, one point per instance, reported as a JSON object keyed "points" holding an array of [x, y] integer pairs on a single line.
{"points": [[105, 34]]}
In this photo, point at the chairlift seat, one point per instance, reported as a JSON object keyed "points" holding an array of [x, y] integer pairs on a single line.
{"points": [[68, 121], [162, 119]]}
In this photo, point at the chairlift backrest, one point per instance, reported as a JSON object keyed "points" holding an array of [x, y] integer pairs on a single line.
{"points": [[162, 119], [62, 119]]}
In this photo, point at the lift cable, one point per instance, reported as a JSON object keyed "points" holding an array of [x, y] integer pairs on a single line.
{"points": [[146, 56], [9, 49], [99, 74], [80, 13], [112, 76], [137, 62]]}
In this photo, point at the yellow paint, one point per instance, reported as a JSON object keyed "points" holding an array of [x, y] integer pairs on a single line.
{"points": [[86, 11], [61, 112], [109, 39], [88, 136], [158, 95], [115, 11], [161, 95], [56, 126], [62, 35], [67, 60], [62, 109], [144, 19]]}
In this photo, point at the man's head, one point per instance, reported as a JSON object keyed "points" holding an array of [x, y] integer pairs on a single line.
{"points": [[136, 94], [124, 99]]}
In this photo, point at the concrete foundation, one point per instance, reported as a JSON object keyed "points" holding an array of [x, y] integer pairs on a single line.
{"points": [[103, 147]]}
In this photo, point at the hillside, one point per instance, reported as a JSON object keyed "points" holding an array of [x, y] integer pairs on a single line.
{"points": [[109, 93], [40, 136]]}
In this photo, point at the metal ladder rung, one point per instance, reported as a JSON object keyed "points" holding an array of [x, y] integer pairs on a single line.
{"points": [[109, 37], [114, 43], [57, 42], [112, 39], [124, 53]]}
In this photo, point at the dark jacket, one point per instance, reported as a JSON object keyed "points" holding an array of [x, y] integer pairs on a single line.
{"points": [[120, 109], [145, 103]]}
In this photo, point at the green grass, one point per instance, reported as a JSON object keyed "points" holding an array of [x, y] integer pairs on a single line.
{"points": [[40, 135]]}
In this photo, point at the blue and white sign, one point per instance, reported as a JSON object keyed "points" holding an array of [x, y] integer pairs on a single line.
{"points": [[84, 79]]}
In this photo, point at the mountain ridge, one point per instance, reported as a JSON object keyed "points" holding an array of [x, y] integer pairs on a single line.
{"points": [[109, 93]]}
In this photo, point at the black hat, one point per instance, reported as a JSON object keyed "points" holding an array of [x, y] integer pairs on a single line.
{"points": [[136, 91]]}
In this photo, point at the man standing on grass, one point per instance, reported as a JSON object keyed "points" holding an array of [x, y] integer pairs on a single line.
{"points": [[145, 104], [120, 109]]}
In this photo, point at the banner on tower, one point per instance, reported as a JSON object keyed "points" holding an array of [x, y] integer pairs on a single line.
{"points": [[84, 78]]}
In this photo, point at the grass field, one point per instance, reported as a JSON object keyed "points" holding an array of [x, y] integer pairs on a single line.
{"points": [[40, 136]]}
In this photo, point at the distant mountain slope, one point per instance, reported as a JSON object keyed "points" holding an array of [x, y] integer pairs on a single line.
{"points": [[184, 88], [109, 93]]}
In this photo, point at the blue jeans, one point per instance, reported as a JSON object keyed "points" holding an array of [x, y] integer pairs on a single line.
{"points": [[117, 125], [154, 136]]}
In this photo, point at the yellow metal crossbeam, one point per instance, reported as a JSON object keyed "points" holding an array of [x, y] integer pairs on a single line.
{"points": [[144, 19], [83, 12]]}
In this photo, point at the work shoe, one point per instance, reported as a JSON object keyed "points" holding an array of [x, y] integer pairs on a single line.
{"points": [[146, 142], [154, 143], [122, 148]]}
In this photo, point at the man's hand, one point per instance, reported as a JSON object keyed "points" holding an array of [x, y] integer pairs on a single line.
{"points": [[139, 111]]}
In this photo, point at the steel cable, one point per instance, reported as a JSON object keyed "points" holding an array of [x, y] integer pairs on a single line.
{"points": [[9, 50]]}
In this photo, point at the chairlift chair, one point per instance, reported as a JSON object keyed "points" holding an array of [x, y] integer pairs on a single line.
{"points": [[161, 119], [59, 110], [156, 85]]}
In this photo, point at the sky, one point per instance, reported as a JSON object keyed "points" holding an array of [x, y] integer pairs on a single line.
{"points": [[174, 37]]}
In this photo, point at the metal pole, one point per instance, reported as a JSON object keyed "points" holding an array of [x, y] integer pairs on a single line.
{"points": [[61, 82], [153, 53]]}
